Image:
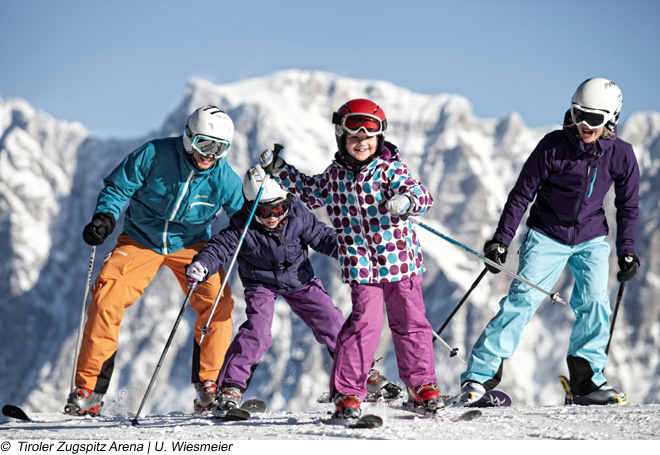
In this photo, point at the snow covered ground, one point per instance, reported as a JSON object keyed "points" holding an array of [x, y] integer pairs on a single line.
{"points": [[640, 423]]}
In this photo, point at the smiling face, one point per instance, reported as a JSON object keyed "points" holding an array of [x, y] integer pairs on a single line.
{"points": [[271, 222], [587, 134], [360, 146], [203, 162]]}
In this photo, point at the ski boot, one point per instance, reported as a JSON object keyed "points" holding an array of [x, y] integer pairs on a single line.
{"points": [[471, 391], [425, 396], [206, 394], [346, 407], [606, 394], [378, 386], [83, 401], [229, 397]]}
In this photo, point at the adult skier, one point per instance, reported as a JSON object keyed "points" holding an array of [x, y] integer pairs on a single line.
{"points": [[567, 175], [176, 188]]}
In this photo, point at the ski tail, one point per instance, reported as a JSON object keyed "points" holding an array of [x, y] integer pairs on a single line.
{"points": [[566, 385]]}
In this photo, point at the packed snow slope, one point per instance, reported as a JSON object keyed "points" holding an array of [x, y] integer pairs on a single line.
{"points": [[629, 423], [51, 172]]}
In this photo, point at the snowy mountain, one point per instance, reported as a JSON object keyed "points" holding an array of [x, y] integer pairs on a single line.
{"points": [[51, 172]]}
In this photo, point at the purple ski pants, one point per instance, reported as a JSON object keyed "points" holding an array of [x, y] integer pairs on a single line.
{"points": [[311, 303], [359, 337]]}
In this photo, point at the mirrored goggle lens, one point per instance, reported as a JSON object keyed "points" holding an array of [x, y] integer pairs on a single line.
{"points": [[267, 212], [355, 123], [206, 146], [591, 119]]}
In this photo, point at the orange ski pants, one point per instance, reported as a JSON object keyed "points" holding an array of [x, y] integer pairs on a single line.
{"points": [[126, 272]]}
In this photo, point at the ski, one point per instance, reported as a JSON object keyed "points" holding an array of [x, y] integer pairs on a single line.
{"points": [[370, 398], [439, 414], [254, 406], [367, 421], [490, 399], [15, 412], [565, 384], [236, 415], [245, 411]]}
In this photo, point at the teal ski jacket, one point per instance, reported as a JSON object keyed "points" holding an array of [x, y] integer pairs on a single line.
{"points": [[172, 203]]}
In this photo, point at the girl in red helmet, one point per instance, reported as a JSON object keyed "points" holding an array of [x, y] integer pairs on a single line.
{"points": [[369, 194]]}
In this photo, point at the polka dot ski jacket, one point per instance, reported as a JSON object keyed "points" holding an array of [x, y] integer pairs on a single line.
{"points": [[374, 246]]}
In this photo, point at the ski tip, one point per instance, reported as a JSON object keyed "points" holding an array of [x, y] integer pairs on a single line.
{"points": [[469, 415], [15, 412], [254, 406], [368, 421], [236, 415]]}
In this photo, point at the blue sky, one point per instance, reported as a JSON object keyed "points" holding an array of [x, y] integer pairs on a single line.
{"points": [[120, 66]]}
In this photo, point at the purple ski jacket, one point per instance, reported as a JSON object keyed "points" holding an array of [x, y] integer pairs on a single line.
{"points": [[275, 259], [569, 180]]}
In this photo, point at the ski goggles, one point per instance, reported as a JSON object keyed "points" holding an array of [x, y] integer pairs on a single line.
{"points": [[207, 145], [274, 209], [591, 117], [353, 123]]}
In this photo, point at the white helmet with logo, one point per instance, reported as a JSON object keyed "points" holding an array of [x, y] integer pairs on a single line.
{"points": [[597, 96], [209, 130]]}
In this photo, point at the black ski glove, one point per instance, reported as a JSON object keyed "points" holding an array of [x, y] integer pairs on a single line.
{"points": [[628, 265], [496, 251], [99, 229]]}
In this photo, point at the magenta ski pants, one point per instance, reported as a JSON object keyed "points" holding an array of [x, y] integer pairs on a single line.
{"points": [[311, 303], [360, 335]]}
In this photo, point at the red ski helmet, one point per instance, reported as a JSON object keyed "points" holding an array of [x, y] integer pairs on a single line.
{"points": [[359, 115]]}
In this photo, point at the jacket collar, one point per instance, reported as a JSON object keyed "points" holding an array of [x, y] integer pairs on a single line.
{"points": [[596, 148]]}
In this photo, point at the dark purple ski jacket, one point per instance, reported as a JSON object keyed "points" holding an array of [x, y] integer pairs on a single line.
{"points": [[569, 180], [275, 259]]}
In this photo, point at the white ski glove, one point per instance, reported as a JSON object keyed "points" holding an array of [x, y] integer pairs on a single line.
{"points": [[400, 205], [196, 273]]}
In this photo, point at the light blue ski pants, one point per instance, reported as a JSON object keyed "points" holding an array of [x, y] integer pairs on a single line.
{"points": [[542, 260]]}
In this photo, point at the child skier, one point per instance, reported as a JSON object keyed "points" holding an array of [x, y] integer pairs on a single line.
{"points": [[273, 261], [368, 194]]}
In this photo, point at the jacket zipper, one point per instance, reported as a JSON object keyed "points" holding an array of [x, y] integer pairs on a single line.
{"points": [[189, 180], [356, 175], [591, 189]]}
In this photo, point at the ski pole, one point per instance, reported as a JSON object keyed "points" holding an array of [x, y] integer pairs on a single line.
{"points": [[82, 318], [192, 287], [616, 310], [451, 315], [452, 351], [205, 329], [553, 297]]}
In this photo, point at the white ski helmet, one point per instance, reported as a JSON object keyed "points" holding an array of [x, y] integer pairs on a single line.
{"points": [[252, 184], [597, 102], [274, 201], [209, 131]]}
